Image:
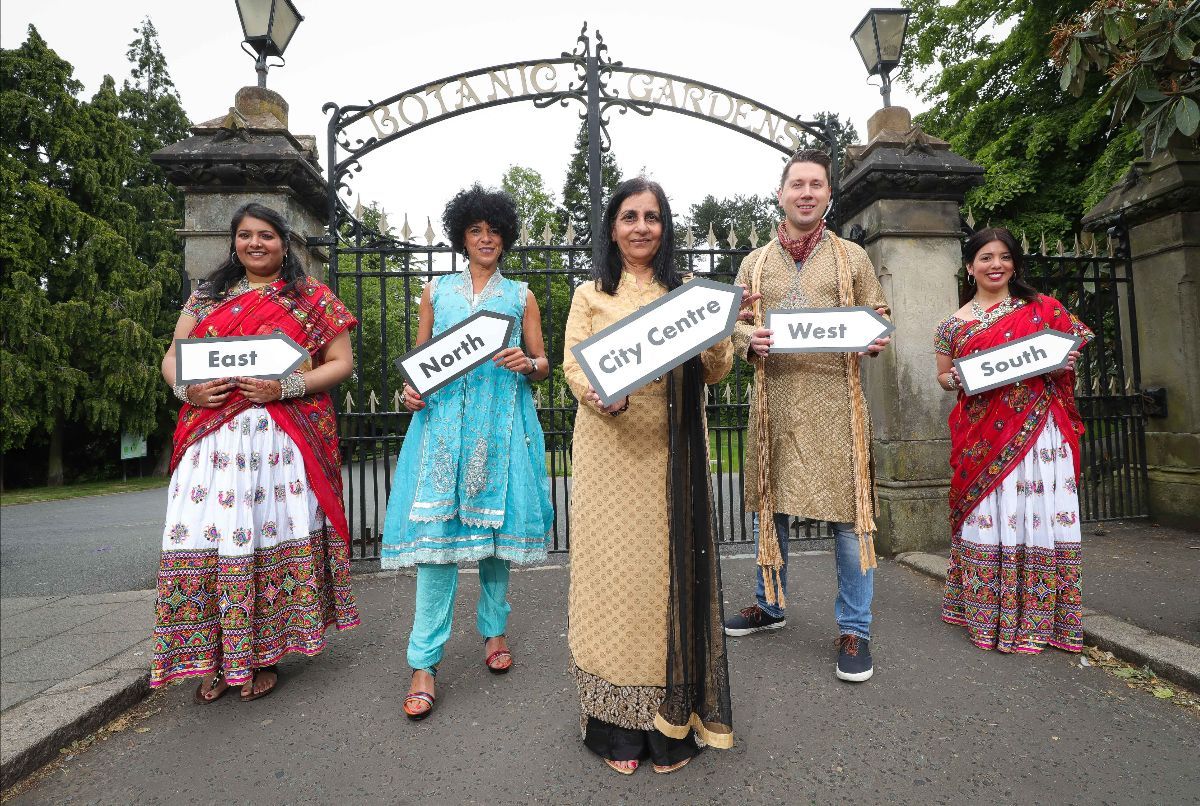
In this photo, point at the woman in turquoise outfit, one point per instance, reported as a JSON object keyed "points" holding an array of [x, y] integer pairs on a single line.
{"points": [[471, 483]]}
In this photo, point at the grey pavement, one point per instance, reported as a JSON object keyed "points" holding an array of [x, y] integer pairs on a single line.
{"points": [[941, 721]]}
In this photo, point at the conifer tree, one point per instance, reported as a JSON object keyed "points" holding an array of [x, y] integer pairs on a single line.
{"points": [[577, 202]]}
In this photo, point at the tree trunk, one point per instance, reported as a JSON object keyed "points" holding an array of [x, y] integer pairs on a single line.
{"points": [[54, 467], [163, 462]]}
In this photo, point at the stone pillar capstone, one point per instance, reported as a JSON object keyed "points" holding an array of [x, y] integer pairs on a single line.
{"points": [[246, 155], [900, 198], [1158, 201]]}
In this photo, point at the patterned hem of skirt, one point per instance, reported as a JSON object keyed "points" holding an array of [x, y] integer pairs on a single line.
{"points": [[408, 559], [629, 707], [1025, 649], [274, 658]]}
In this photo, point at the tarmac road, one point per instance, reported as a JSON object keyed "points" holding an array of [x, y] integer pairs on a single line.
{"points": [[941, 721]]}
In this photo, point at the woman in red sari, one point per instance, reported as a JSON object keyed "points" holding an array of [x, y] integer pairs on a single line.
{"points": [[1015, 578], [255, 563]]}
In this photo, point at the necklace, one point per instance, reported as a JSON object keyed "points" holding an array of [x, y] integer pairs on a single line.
{"points": [[987, 317]]}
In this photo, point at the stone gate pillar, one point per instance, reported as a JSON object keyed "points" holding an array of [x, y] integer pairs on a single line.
{"points": [[1159, 203], [900, 197], [246, 155]]}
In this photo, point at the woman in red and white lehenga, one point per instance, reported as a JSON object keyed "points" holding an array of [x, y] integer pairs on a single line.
{"points": [[255, 561], [1015, 579]]}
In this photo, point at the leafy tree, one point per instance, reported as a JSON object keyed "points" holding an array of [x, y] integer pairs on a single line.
{"points": [[577, 203], [846, 136], [1148, 48], [996, 98], [79, 308]]}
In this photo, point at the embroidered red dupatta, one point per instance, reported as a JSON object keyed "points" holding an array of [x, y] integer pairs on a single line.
{"points": [[312, 318], [991, 432]]}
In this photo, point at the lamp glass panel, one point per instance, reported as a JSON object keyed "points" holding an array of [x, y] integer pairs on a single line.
{"points": [[891, 26], [286, 22], [864, 41], [256, 17]]}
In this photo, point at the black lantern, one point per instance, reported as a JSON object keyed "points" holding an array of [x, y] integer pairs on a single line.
{"points": [[880, 41], [268, 26]]}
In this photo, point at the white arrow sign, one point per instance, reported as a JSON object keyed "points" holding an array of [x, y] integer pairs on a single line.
{"points": [[456, 352], [271, 356], [628, 354], [825, 330], [1019, 359]]}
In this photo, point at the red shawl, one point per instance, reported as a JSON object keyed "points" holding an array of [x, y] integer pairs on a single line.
{"points": [[991, 432], [312, 318]]}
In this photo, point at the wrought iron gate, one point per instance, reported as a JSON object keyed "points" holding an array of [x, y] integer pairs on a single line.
{"points": [[380, 276], [1094, 280]]}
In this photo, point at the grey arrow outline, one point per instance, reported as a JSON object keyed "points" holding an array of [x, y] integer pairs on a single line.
{"points": [[458, 373], [1075, 342], [304, 355], [645, 378], [889, 328]]}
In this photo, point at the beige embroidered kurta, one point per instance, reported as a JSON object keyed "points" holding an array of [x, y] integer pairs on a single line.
{"points": [[619, 551], [808, 394]]}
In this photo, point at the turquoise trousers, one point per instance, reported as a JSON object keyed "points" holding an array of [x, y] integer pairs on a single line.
{"points": [[436, 586]]}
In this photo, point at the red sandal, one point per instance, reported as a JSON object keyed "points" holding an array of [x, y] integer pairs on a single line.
{"points": [[419, 697], [498, 655]]}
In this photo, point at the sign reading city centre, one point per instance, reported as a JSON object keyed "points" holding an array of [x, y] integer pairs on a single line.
{"points": [[628, 354], [1019, 359], [272, 356], [456, 352], [825, 330]]}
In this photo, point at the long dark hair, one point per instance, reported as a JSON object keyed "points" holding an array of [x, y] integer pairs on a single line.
{"points": [[1017, 285], [231, 271], [608, 274]]}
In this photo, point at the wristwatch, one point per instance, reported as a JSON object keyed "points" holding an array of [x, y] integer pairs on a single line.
{"points": [[532, 366]]}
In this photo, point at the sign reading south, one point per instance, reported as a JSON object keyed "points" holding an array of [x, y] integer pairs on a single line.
{"points": [[825, 330], [272, 356], [628, 354], [1019, 359], [456, 352]]}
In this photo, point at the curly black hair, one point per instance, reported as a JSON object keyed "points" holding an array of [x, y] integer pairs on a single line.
{"points": [[231, 270], [470, 206]]}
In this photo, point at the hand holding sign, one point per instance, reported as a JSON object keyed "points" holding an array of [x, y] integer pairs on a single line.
{"points": [[1017, 360], [454, 353], [271, 356]]}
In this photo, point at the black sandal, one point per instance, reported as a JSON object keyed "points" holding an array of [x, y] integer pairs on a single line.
{"points": [[218, 678], [252, 696]]}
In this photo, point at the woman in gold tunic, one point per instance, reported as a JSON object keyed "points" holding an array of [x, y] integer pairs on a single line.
{"points": [[648, 651]]}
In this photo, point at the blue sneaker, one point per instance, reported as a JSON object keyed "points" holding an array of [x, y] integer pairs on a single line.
{"points": [[854, 659], [752, 619]]}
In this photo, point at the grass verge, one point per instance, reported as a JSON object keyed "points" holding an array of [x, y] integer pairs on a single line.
{"points": [[34, 495]]}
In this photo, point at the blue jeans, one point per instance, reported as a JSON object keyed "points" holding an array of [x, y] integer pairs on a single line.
{"points": [[436, 586], [852, 609]]}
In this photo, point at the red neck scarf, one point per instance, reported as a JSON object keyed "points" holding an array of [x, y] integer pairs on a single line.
{"points": [[800, 248], [991, 432], [313, 317]]}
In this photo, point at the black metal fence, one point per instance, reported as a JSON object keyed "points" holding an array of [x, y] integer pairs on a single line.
{"points": [[381, 282], [1094, 280]]}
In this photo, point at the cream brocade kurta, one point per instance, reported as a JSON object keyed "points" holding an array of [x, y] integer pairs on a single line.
{"points": [[619, 552], [808, 394]]}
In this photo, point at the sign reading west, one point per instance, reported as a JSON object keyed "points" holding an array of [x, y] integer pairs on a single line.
{"points": [[628, 354], [1019, 359], [272, 356], [456, 352], [825, 330]]}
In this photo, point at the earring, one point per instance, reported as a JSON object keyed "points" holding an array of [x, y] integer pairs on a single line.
{"points": [[970, 278]]}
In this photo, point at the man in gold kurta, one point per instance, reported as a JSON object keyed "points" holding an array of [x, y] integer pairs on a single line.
{"points": [[811, 466]]}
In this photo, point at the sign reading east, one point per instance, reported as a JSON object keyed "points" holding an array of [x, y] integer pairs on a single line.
{"points": [[456, 352], [825, 330], [272, 356], [628, 354], [1019, 359]]}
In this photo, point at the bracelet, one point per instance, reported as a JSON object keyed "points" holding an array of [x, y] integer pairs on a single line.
{"points": [[623, 408], [180, 390], [292, 386], [532, 366]]}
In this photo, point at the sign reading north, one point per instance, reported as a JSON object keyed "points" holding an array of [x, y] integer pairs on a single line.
{"points": [[272, 356], [456, 352], [1020, 359], [825, 330], [628, 354]]}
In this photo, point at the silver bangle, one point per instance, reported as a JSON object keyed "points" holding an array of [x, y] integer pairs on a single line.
{"points": [[292, 386], [180, 390], [532, 366]]}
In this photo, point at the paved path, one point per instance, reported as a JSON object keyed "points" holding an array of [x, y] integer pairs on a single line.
{"points": [[941, 722]]}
